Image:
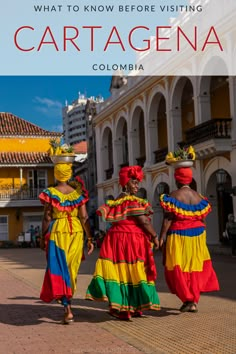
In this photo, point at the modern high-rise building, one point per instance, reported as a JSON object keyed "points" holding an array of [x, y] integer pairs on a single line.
{"points": [[74, 119]]}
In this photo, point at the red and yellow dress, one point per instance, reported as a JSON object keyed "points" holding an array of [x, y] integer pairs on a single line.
{"points": [[125, 271], [188, 266], [64, 242]]}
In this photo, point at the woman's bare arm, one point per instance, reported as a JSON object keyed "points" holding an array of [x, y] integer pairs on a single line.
{"points": [[47, 217], [84, 219], [167, 221], [145, 223]]}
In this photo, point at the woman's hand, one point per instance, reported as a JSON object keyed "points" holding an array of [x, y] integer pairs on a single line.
{"points": [[156, 243], [161, 243], [42, 243], [90, 246]]}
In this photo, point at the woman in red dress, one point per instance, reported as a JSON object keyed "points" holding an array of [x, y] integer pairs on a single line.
{"points": [[125, 272]]}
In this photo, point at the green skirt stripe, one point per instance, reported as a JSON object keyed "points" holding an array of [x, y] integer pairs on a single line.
{"points": [[122, 261], [124, 297]]}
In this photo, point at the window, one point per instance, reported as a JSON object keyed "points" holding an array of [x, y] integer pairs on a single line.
{"points": [[37, 179], [3, 228]]}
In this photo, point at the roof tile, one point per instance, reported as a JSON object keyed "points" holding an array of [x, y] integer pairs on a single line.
{"points": [[11, 125], [22, 158]]}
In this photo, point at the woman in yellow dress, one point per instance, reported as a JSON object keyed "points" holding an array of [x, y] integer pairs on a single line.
{"points": [[64, 222]]}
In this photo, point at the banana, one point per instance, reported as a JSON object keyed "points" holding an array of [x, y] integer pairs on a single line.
{"points": [[58, 151]]}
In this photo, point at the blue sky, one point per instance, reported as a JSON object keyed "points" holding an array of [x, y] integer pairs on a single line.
{"points": [[39, 99]]}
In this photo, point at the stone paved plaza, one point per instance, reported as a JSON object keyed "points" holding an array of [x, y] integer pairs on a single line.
{"points": [[28, 325]]}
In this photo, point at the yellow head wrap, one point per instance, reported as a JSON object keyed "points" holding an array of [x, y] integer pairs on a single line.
{"points": [[63, 171]]}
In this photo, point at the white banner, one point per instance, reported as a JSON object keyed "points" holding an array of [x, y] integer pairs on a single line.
{"points": [[98, 37]]}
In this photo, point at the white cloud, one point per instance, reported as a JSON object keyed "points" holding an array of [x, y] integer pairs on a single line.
{"points": [[48, 107]]}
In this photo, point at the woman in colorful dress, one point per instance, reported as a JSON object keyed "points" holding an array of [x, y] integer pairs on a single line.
{"points": [[65, 220], [125, 272], [188, 266]]}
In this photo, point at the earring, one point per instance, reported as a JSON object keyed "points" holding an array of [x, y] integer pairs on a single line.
{"points": [[127, 191]]}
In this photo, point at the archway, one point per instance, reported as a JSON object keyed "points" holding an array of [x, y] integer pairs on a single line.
{"points": [[222, 205]]}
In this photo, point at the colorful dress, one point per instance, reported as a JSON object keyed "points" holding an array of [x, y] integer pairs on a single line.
{"points": [[188, 266], [125, 272], [64, 242]]}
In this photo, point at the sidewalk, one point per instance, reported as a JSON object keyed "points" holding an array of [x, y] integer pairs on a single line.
{"points": [[29, 326]]}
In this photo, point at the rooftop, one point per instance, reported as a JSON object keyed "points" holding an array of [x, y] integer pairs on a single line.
{"points": [[24, 158], [11, 125]]}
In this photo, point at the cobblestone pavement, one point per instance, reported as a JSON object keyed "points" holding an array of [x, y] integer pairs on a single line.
{"points": [[27, 325]]}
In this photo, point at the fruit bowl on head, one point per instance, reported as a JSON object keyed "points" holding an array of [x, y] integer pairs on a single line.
{"points": [[180, 163], [68, 158]]}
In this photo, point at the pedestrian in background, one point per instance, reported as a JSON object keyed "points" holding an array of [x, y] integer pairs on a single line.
{"points": [[231, 231]]}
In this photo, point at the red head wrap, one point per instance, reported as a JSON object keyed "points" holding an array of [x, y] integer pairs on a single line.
{"points": [[128, 172], [184, 175]]}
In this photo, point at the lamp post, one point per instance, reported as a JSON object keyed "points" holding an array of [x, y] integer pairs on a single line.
{"points": [[161, 188], [221, 177]]}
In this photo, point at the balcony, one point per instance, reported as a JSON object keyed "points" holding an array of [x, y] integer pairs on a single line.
{"points": [[210, 138], [109, 173], [19, 197], [160, 155], [141, 161], [124, 164], [219, 128]]}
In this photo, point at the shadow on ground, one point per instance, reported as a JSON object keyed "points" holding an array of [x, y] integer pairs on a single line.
{"points": [[224, 265]]}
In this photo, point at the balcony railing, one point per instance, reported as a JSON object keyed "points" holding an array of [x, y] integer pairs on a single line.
{"points": [[160, 154], [124, 164], [19, 194], [141, 160], [218, 128], [109, 173]]}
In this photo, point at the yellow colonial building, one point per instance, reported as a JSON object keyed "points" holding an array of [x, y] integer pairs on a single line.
{"points": [[25, 169]]}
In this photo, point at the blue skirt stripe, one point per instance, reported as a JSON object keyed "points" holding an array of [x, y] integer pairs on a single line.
{"points": [[57, 264], [187, 207], [197, 231]]}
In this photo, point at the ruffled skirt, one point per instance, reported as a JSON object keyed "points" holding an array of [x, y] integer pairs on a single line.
{"points": [[188, 266], [64, 254], [125, 272]]}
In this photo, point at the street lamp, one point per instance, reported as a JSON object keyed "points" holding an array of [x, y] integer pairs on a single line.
{"points": [[161, 187], [221, 176]]}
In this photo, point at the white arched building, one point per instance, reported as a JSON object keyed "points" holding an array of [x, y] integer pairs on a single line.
{"points": [[148, 116]]}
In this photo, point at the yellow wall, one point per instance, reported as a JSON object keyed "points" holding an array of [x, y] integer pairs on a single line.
{"points": [[220, 107], [24, 144], [10, 176], [15, 226], [162, 133]]}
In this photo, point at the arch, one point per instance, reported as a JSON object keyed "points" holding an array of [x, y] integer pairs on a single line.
{"points": [[107, 152], [214, 65], [136, 103], [155, 90], [121, 142], [157, 126], [182, 107], [220, 200], [177, 87], [138, 136]]}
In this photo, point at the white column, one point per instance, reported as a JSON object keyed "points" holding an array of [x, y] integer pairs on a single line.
{"points": [[133, 147], [100, 169], [175, 128], [21, 176], [152, 142], [203, 108], [117, 156], [148, 180]]}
